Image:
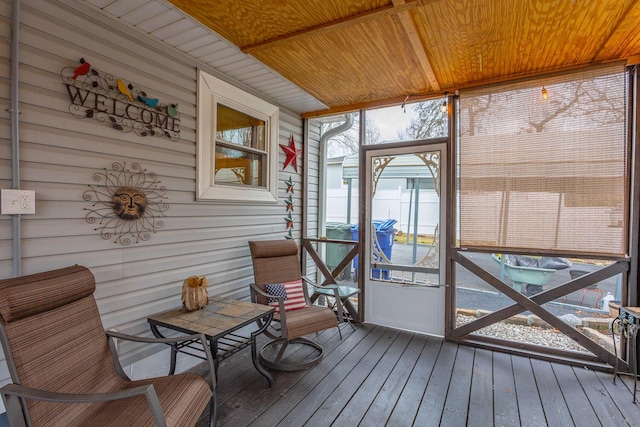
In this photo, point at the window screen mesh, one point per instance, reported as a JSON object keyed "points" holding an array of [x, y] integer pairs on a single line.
{"points": [[547, 175]]}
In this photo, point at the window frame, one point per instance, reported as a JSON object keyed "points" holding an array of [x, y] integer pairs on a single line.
{"points": [[212, 91]]}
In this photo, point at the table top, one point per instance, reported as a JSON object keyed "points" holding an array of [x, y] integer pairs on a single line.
{"points": [[634, 310], [218, 318], [632, 314], [343, 291]]}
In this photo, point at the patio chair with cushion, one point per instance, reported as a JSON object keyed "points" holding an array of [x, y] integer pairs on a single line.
{"points": [[279, 282], [64, 367]]}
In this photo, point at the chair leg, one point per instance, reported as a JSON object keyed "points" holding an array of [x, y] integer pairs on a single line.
{"points": [[213, 408], [277, 362], [284, 346]]}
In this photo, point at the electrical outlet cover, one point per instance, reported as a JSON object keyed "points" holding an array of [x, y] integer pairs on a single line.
{"points": [[18, 202]]}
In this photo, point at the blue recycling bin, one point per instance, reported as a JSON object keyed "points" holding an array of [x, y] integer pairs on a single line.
{"points": [[384, 234]]}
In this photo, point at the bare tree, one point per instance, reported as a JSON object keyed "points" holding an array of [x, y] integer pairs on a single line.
{"points": [[578, 99], [588, 100], [347, 142], [429, 121], [473, 110]]}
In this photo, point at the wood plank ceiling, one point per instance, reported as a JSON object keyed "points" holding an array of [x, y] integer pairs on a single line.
{"points": [[359, 53], [363, 53]]}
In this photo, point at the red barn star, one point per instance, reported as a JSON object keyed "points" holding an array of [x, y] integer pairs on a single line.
{"points": [[292, 154]]}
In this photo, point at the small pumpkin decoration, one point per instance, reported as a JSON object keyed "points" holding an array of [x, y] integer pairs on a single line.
{"points": [[194, 293]]}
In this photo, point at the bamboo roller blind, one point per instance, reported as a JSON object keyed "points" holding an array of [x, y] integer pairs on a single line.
{"points": [[548, 176]]}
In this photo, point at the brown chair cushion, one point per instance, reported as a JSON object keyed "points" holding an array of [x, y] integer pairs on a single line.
{"points": [[274, 261], [179, 412], [273, 248], [44, 292], [309, 320]]}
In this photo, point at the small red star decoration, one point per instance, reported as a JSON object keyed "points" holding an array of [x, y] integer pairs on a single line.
{"points": [[289, 220], [290, 185], [289, 203], [292, 154]]}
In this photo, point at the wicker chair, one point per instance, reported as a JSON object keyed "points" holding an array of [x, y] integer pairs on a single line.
{"points": [[64, 368], [276, 264]]}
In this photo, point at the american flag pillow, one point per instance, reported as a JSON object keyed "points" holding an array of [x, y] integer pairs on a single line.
{"points": [[291, 292]]}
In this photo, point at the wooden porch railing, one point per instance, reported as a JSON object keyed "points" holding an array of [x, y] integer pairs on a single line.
{"points": [[331, 276]]}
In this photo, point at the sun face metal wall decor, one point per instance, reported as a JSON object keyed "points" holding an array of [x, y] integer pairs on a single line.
{"points": [[128, 203]]}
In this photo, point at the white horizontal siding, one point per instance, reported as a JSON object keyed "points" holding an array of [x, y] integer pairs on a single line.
{"points": [[60, 153]]}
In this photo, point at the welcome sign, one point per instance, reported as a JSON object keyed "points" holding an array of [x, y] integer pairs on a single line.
{"points": [[124, 106]]}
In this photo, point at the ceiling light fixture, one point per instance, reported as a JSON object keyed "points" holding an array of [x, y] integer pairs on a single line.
{"points": [[545, 94], [444, 107]]}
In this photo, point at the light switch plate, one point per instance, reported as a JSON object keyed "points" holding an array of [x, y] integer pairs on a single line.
{"points": [[18, 202]]}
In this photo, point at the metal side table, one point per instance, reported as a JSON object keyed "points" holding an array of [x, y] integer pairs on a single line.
{"points": [[628, 322], [223, 322], [345, 292]]}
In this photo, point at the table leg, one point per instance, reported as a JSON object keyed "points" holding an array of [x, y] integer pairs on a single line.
{"points": [[351, 309], [174, 349], [254, 349], [213, 345], [630, 332], [633, 358], [615, 347]]}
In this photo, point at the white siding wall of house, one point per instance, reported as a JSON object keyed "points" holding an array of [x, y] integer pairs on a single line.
{"points": [[60, 153], [312, 163], [311, 220]]}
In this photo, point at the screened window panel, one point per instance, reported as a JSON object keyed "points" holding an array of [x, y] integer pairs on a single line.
{"points": [[548, 175]]}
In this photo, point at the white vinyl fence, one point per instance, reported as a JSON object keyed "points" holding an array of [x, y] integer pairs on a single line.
{"points": [[388, 204]]}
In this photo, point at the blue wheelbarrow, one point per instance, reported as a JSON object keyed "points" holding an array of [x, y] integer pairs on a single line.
{"points": [[527, 280]]}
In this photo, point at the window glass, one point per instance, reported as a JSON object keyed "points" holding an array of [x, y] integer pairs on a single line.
{"points": [[237, 144], [238, 167], [235, 127]]}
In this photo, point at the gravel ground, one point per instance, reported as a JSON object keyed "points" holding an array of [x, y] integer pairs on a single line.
{"points": [[530, 334]]}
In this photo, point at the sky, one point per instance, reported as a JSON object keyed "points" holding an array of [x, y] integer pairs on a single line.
{"points": [[390, 120]]}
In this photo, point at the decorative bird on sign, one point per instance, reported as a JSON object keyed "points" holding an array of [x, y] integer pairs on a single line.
{"points": [[172, 110], [151, 102], [81, 69], [292, 154], [124, 89]]}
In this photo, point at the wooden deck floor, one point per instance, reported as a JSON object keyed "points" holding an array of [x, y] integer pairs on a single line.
{"points": [[378, 376]]}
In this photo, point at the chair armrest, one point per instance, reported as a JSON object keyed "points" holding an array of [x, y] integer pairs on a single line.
{"points": [[113, 335], [307, 297], [11, 393], [310, 282], [255, 290], [260, 292]]}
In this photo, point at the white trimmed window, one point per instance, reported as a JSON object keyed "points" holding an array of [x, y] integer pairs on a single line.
{"points": [[237, 144]]}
